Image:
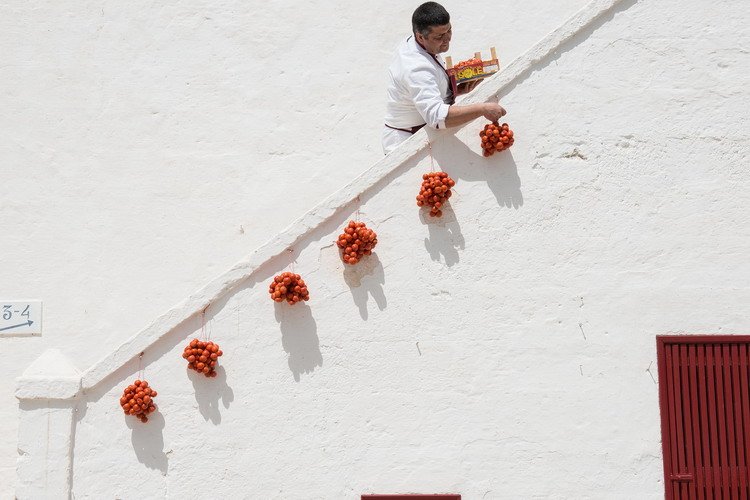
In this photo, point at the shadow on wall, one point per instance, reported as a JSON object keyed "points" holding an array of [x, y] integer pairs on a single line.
{"points": [[366, 278], [148, 441], [299, 338], [499, 170], [445, 234], [571, 43], [208, 392]]}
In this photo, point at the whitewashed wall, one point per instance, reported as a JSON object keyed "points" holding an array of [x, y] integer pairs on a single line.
{"points": [[146, 147], [501, 353]]}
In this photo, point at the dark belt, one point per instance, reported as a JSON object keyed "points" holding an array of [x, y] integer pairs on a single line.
{"points": [[412, 130]]}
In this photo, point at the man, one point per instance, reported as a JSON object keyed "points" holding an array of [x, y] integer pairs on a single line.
{"points": [[419, 90]]}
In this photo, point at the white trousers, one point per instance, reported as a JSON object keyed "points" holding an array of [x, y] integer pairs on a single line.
{"points": [[392, 138]]}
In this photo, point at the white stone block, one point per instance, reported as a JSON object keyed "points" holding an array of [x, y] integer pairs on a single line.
{"points": [[46, 391]]}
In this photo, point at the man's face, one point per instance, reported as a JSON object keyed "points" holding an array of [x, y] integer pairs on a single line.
{"points": [[437, 40]]}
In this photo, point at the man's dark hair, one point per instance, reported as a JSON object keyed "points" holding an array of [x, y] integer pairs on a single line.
{"points": [[427, 15]]}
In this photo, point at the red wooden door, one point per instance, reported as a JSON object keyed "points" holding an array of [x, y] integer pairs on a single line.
{"points": [[704, 394], [411, 497]]}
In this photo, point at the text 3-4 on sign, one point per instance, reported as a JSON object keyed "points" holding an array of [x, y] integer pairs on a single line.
{"points": [[20, 317]]}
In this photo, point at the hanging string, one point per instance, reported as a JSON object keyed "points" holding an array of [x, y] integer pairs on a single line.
{"points": [[358, 203], [432, 160], [203, 323], [140, 366], [210, 325], [291, 264]]}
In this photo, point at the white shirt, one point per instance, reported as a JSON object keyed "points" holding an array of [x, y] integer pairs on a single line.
{"points": [[418, 88]]}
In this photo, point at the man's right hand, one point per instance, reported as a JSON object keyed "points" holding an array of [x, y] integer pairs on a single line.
{"points": [[493, 111], [458, 115]]}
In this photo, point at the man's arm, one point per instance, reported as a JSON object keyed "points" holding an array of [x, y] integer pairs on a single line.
{"points": [[423, 86], [458, 115], [424, 89]]}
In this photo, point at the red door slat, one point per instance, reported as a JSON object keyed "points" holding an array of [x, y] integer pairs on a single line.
{"points": [[703, 405], [721, 421], [739, 426], [726, 361], [663, 364], [692, 362], [711, 404], [688, 486], [745, 404], [679, 428], [674, 467]]}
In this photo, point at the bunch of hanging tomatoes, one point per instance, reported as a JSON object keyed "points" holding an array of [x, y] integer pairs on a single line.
{"points": [[435, 191], [202, 356], [138, 399], [356, 241], [290, 287], [496, 138]]}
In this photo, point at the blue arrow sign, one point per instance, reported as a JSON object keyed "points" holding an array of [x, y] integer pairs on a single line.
{"points": [[25, 323]]}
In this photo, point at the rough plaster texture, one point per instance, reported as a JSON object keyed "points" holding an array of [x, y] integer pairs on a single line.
{"points": [[146, 148], [501, 352]]}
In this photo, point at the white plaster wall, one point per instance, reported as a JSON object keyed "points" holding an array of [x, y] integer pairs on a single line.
{"points": [[145, 148], [503, 396]]}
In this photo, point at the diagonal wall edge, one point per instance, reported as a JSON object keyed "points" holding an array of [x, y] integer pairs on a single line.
{"points": [[329, 207]]}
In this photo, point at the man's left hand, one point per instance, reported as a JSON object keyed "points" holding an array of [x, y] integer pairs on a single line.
{"points": [[466, 87]]}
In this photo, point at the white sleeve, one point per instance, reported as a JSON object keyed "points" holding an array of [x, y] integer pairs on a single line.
{"points": [[425, 91]]}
